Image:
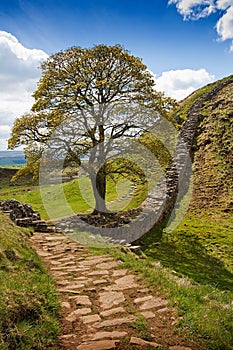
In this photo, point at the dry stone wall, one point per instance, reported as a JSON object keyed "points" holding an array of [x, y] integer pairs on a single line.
{"points": [[155, 208], [23, 215]]}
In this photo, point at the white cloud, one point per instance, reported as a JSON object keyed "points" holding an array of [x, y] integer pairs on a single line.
{"points": [[223, 4], [195, 9], [4, 131], [225, 25], [19, 74], [182, 82]]}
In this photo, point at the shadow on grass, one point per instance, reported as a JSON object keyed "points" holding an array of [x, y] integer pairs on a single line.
{"points": [[185, 254]]}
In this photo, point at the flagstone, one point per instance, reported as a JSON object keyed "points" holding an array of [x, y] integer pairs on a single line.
{"points": [[68, 291], [154, 303], [96, 260], [164, 309], [143, 299], [125, 282], [108, 265], [99, 345], [94, 291], [67, 336], [74, 315], [110, 312], [148, 314], [90, 318], [118, 273], [100, 281], [44, 254], [65, 305], [122, 285], [110, 299], [139, 341], [110, 335], [83, 300], [98, 272], [76, 285], [116, 321]]}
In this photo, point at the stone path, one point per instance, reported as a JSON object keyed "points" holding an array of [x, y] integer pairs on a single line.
{"points": [[104, 306]]}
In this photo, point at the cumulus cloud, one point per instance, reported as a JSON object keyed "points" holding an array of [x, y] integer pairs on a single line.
{"points": [[195, 9], [182, 82], [225, 25], [19, 73]]}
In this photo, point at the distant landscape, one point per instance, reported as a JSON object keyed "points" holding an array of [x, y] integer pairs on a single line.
{"points": [[12, 158]]}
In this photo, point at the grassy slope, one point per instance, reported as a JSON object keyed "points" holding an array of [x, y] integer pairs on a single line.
{"points": [[200, 248], [79, 203], [183, 106], [213, 181], [28, 302]]}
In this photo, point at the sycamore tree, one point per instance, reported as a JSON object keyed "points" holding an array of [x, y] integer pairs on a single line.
{"points": [[90, 99]]}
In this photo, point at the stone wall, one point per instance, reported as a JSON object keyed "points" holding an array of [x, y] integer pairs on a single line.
{"points": [[155, 208], [23, 215], [170, 190]]}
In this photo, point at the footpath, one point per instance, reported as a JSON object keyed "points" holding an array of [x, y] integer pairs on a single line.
{"points": [[105, 306]]}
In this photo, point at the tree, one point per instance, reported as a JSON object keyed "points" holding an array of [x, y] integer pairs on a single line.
{"points": [[101, 95]]}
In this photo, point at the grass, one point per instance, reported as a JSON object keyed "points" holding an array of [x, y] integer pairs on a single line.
{"points": [[184, 106], [192, 267], [200, 248], [141, 325], [28, 302], [74, 196]]}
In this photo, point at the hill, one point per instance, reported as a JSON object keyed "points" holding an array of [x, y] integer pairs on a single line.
{"points": [[28, 303], [11, 158], [212, 149], [200, 248]]}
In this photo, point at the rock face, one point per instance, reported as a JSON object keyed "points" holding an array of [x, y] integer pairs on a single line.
{"points": [[23, 215]]}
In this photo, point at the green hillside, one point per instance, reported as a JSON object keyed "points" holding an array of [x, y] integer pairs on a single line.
{"points": [[28, 299], [200, 248]]}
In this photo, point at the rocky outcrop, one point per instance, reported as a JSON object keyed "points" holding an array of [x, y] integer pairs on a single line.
{"points": [[23, 215]]}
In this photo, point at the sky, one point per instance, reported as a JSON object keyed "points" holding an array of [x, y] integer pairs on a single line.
{"points": [[185, 43]]}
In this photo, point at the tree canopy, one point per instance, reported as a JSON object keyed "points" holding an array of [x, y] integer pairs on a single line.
{"points": [[88, 99]]}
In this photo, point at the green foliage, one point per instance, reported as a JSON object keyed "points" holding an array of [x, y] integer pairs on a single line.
{"points": [[101, 93], [28, 303]]}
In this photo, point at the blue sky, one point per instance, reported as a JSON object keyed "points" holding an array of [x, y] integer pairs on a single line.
{"points": [[185, 43]]}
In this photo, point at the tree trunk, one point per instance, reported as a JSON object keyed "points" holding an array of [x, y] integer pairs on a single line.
{"points": [[99, 189]]}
